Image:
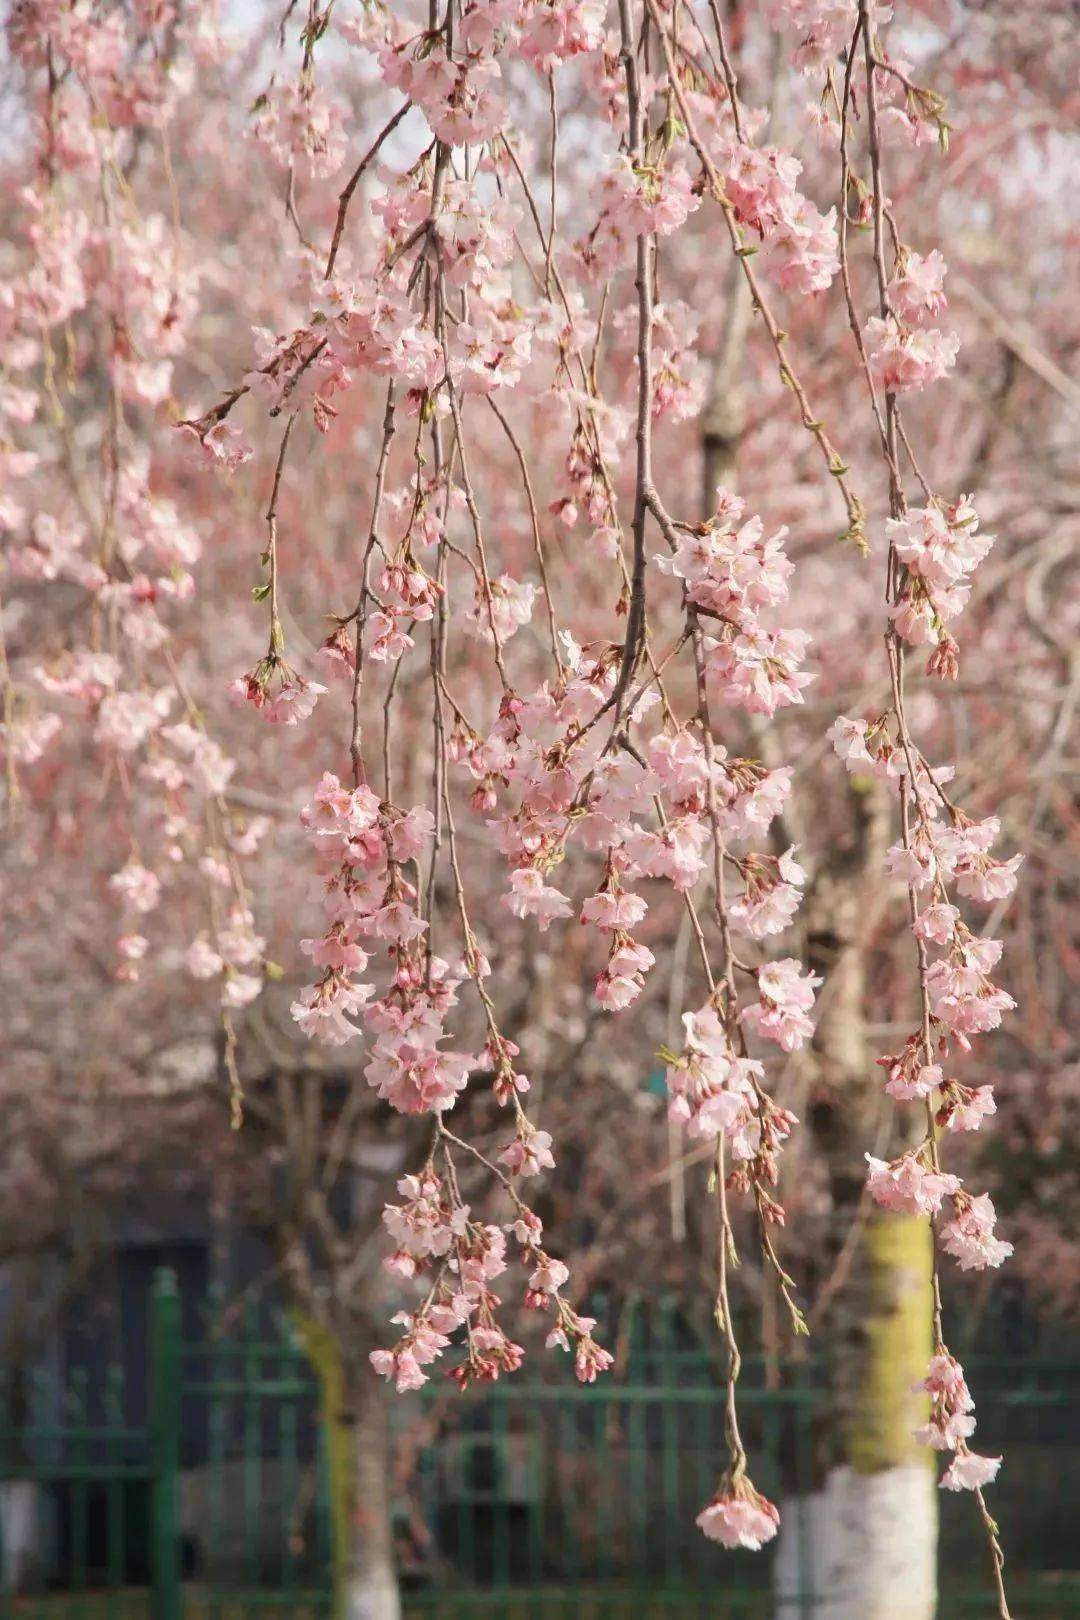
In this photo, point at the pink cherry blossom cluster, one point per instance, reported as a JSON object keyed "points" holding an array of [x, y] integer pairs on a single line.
{"points": [[718, 1092], [459, 1258], [907, 357], [459, 302], [905, 351], [678, 387], [911, 1186], [942, 847], [594, 759], [632, 201], [730, 571], [951, 1424], [300, 125], [458, 81], [825, 26], [569, 784], [277, 692], [363, 848], [114, 285], [940, 547], [800, 243], [932, 551]]}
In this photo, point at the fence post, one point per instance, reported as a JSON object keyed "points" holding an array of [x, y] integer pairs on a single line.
{"points": [[165, 1446]]}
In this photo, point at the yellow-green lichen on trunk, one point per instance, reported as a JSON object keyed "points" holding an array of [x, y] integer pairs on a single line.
{"points": [[896, 1266], [324, 1354]]}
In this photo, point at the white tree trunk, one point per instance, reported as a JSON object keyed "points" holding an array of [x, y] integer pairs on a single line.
{"points": [[863, 1548], [20, 1533], [360, 1485], [371, 1584], [372, 1594]]}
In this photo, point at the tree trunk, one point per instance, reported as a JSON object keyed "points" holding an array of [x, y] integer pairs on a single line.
{"points": [[20, 1534], [861, 1543], [354, 1422], [724, 419], [371, 1586]]}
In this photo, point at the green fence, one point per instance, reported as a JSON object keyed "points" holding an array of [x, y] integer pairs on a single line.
{"points": [[213, 1505], [522, 1501]]}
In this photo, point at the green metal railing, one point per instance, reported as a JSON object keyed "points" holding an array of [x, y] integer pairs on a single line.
{"points": [[170, 1518], [520, 1500], [165, 1449]]}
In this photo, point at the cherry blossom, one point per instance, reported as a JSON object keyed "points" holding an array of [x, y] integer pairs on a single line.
{"points": [[908, 1185], [299, 123], [739, 1516], [544, 662], [970, 1472], [969, 1235], [903, 358], [785, 998], [951, 1404]]}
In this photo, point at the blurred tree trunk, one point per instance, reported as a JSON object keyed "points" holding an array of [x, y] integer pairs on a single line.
{"points": [[371, 1584], [724, 421], [354, 1423], [863, 1539]]}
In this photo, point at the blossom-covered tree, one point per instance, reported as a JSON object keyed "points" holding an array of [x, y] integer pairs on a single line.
{"points": [[366, 627]]}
